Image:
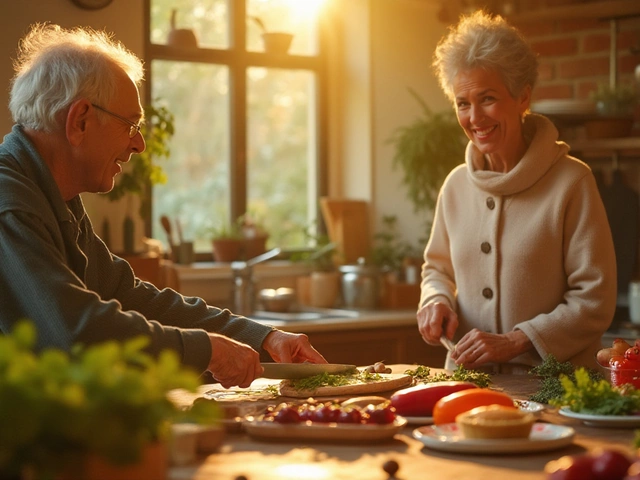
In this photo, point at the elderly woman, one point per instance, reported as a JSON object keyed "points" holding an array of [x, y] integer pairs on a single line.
{"points": [[520, 263]]}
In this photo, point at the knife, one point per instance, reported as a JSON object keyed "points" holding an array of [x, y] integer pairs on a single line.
{"points": [[302, 370], [448, 344]]}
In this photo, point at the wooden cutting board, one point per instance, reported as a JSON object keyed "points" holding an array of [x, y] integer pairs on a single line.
{"points": [[390, 381], [348, 227]]}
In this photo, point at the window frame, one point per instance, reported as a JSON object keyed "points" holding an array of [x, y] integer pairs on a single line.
{"points": [[238, 60]]}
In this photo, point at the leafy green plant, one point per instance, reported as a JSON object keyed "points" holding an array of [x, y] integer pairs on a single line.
{"points": [[426, 151], [108, 399], [614, 101], [389, 250], [142, 172], [321, 256]]}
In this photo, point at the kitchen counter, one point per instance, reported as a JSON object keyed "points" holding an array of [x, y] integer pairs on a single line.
{"points": [[299, 460], [363, 319]]}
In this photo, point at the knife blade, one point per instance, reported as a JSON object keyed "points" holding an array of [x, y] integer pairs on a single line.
{"points": [[294, 371], [448, 344]]}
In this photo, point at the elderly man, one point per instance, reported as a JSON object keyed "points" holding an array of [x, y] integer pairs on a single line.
{"points": [[76, 106]]}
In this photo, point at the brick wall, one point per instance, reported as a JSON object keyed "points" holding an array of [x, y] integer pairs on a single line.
{"points": [[574, 54]]}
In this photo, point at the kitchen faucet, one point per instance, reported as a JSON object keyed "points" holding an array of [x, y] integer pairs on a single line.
{"points": [[244, 295]]}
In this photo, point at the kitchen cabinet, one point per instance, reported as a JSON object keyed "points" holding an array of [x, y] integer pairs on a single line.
{"points": [[389, 336], [397, 344]]}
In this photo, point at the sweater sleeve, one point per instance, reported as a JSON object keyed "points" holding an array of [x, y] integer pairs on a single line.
{"points": [[438, 278], [42, 280], [590, 297]]}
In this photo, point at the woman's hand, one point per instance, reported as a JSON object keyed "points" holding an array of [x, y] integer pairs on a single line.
{"points": [[435, 319], [477, 348]]}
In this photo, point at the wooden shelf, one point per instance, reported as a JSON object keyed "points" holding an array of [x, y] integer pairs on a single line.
{"points": [[605, 144], [603, 10]]}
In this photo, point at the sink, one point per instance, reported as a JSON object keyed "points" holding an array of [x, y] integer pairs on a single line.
{"points": [[305, 315]]}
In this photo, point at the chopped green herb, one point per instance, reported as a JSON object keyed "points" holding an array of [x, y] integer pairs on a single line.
{"points": [[333, 380], [423, 374]]}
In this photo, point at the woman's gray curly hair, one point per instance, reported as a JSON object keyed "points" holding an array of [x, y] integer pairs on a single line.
{"points": [[56, 66], [480, 40]]}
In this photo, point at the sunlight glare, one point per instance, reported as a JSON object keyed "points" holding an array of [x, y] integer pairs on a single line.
{"points": [[304, 10]]}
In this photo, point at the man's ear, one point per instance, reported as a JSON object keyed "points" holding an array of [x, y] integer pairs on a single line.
{"points": [[76, 121]]}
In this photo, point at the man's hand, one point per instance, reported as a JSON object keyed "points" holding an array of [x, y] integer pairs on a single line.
{"points": [[233, 363], [285, 347]]}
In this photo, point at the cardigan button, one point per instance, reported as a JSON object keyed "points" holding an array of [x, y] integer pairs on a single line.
{"points": [[485, 247], [487, 293], [491, 203]]}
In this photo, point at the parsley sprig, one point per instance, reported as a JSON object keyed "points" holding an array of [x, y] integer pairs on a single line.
{"points": [[333, 380], [422, 374]]}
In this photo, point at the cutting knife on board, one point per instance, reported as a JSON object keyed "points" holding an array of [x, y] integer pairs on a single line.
{"points": [[294, 371]]}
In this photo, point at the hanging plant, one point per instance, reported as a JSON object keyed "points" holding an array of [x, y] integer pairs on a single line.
{"points": [[426, 151], [142, 171]]}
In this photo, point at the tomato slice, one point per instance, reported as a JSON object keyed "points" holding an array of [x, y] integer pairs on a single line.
{"points": [[448, 408]]}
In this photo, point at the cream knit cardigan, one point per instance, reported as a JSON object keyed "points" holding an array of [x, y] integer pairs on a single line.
{"points": [[550, 270]]}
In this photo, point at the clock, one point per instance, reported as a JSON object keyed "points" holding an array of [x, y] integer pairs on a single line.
{"points": [[92, 4]]}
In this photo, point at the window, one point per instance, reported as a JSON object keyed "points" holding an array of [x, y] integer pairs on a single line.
{"points": [[248, 121]]}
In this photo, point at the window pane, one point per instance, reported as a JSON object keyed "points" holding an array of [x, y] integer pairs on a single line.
{"points": [[198, 187], [281, 152], [298, 17], [209, 20]]}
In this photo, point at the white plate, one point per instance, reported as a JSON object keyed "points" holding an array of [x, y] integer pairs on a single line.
{"points": [[616, 421], [419, 420], [448, 438], [529, 406], [333, 432]]}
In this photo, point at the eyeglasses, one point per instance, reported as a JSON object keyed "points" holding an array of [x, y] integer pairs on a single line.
{"points": [[134, 128]]}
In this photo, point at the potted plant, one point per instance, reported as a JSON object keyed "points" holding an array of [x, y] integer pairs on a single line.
{"points": [[615, 105], [426, 151], [226, 240], [108, 401], [142, 171], [274, 42]]}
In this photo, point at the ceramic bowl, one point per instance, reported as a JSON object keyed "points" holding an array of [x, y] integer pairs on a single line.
{"points": [[277, 300]]}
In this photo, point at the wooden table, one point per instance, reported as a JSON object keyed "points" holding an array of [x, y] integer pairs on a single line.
{"points": [[241, 455]]}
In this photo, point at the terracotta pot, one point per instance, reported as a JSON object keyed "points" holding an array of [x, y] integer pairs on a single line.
{"points": [[227, 249], [277, 42], [303, 290], [252, 247], [152, 466]]}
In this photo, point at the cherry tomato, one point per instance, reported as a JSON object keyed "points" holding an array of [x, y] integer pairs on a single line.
{"points": [[350, 415], [380, 415], [570, 467], [448, 408], [632, 354], [326, 414], [617, 361], [609, 464], [287, 415]]}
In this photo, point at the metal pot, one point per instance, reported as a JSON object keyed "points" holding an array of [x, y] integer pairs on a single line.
{"points": [[360, 286]]}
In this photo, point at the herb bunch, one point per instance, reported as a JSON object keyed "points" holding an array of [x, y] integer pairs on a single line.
{"points": [[550, 371], [107, 399], [596, 397]]}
